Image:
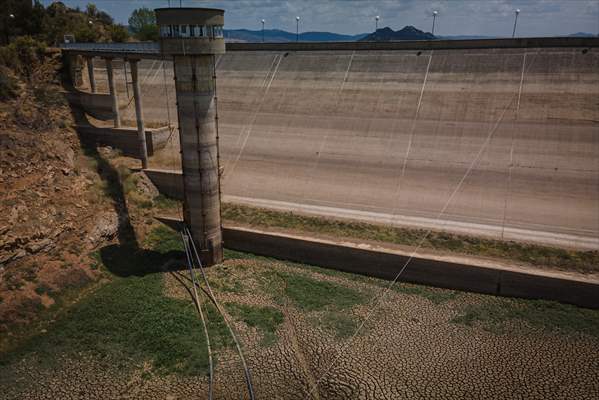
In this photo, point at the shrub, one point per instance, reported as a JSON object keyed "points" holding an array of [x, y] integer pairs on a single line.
{"points": [[8, 84], [23, 56], [8, 57], [30, 54], [118, 33]]}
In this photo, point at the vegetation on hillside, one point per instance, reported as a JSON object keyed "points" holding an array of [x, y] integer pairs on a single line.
{"points": [[143, 24], [50, 24]]}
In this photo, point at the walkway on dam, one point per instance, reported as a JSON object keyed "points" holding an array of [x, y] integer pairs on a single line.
{"points": [[388, 135]]}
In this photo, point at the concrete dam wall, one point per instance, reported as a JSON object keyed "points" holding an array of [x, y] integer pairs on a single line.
{"points": [[500, 142]]}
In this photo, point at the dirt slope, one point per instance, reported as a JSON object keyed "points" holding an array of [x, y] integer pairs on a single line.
{"points": [[53, 209]]}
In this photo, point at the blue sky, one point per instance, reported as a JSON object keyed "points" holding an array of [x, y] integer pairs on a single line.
{"points": [[456, 17]]}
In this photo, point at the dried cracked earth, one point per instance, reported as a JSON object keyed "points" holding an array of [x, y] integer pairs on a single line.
{"points": [[418, 343]]}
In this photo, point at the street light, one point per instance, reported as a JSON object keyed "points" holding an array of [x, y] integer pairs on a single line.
{"points": [[262, 30], [376, 23], [434, 18], [515, 22], [297, 29], [12, 16]]}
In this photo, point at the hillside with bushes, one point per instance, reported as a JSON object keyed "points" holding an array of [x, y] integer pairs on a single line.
{"points": [[51, 24]]}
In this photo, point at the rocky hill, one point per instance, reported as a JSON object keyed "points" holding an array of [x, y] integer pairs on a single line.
{"points": [[53, 206], [407, 33]]}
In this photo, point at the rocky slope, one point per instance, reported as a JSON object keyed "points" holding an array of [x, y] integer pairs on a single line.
{"points": [[53, 206]]}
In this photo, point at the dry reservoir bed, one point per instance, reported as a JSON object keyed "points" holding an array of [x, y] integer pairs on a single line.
{"points": [[139, 337]]}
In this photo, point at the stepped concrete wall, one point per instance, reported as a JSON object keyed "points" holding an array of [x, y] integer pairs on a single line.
{"points": [[386, 264], [124, 139]]}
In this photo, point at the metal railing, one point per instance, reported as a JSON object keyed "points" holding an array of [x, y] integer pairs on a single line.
{"points": [[136, 48]]}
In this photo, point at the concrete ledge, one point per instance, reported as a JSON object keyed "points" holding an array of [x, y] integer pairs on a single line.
{"points": [[97, 105], [386, 264], [151, 50], [124, 139], [419, 44], [168, 182]]}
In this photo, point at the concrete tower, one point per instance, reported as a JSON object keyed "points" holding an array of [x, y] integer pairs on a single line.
{"points": [[192, 37]]}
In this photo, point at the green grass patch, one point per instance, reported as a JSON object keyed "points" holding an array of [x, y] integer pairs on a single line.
{"points": [[265, 319], [583, 261], [495, 313], [435, 295], [129, 320], [310, 294], [166, 203], [163, 240]]}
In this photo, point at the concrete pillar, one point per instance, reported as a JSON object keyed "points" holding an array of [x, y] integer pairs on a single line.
{"points": [[90, 72], [195, 83], [75, 67], [196, 107], [113, 93], [141, 130]]}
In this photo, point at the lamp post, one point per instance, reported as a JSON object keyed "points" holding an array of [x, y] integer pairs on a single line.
{"points": [[515, 22], [262, 30], [434, 19], [376, 23], [6, 28], [297, 29]]}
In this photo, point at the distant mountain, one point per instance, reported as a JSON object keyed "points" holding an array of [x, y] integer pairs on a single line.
{"points": [[381, 35], [583, 34], [276, 35], [466, 37], [388, 35]]}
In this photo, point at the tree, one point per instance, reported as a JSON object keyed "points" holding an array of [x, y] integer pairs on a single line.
{"points": [[91, 10], [104, 18], [118, 33], [143, 24], [15, 19]]}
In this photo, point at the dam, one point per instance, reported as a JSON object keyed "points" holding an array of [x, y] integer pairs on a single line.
{"points": [[494, 141]]}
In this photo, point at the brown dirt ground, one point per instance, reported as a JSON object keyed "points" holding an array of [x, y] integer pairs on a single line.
{"points": [[410, 348]]}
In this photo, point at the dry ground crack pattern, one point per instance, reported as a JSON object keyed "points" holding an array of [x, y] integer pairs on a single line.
{"points": [[421, 344]]}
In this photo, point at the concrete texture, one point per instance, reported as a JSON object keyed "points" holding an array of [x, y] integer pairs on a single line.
{"points": [[505, 43], [98, 105], [196, 109], [168, 183], [387, 264], [139, 114], [458, 273], [125, 139], [500, 142], [113, 92]]}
